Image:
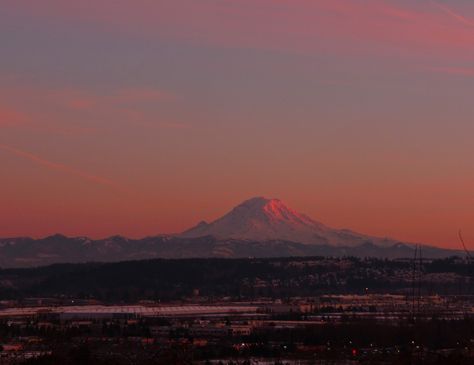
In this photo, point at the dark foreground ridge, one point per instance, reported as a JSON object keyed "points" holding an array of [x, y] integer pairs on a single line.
{"points": [[164, 279]]}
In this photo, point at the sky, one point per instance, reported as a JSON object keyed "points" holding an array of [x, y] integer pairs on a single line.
{"points": [[147, 116]]}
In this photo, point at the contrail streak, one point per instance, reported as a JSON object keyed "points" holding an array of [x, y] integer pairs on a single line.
{"points": [[60, 167]]}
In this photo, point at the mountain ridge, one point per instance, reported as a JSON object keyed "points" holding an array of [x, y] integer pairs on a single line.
{"points": [[258, 227], [41, 252]]}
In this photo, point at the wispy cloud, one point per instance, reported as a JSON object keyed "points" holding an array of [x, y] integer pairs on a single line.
{"points": [[130, 95], [454, 15], [469, 72], [87, 100], [61, 167], [138, 117], [289, 25], [72, 111], [11, 117]]}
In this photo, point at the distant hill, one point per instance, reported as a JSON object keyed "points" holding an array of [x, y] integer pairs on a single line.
{"points": [[27, 252]]}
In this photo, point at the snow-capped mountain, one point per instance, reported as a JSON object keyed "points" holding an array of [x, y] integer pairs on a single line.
{"points": [[258, 227], [261, 219]]}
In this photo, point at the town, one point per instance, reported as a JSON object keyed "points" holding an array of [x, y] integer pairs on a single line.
{"points": [[425, 316]]}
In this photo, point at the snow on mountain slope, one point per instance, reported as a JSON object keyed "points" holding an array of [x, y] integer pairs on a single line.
{"points": [[262, 219]]}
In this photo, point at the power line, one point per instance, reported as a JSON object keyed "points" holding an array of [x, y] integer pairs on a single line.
{"points": [[468, 254]]}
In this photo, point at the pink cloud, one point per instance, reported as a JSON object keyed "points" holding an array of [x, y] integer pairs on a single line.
{"points": [[61, 167], [87, 100], [137, 117], [121, 104], [51, 109], [469, 72], [11, 117], [131, 95], [289, 25], [460, 18], [80, 103]]}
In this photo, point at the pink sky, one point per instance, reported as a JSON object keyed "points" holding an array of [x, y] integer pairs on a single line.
{"points": [[145, 117]]}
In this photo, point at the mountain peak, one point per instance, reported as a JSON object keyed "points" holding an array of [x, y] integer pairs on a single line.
{"points": [[255, 202], [261, 203], [263, 219]]}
